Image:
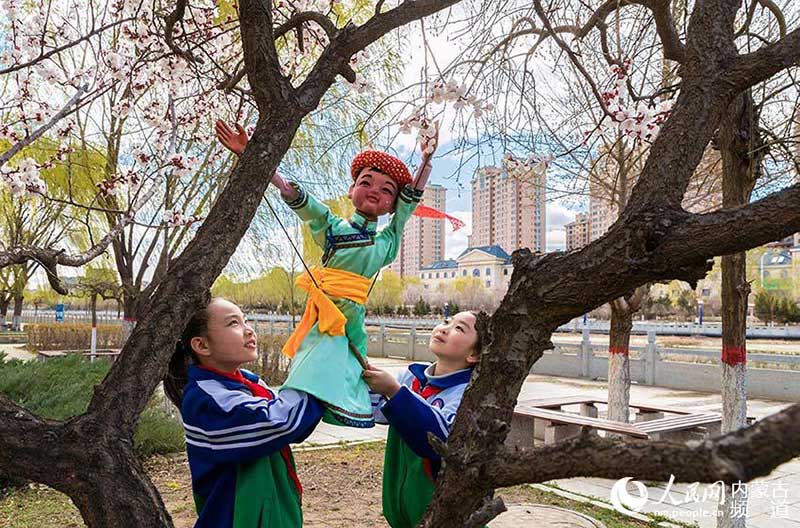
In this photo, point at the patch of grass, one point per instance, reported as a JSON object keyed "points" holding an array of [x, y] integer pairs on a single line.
{"points": [[342, 489], [60, 388], [38, 506]]}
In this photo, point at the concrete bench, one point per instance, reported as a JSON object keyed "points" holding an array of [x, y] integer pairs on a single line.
{"points": [[681, 427], [642, 411], [554, 426]]}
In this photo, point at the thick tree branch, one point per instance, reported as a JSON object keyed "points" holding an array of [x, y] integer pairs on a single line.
{"points": [[732, 230], [351, 39], [492, 507], [742, 455], [673, 48], [271, 89], [322, 21], [307, 16], [753, 68], [50, 258]]}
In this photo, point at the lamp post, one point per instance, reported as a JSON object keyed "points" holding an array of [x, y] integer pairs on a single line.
{"points": [[700, 311]]}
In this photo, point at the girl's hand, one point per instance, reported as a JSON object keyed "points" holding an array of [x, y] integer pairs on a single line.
{"points": [[233, 141], [381, 381]]}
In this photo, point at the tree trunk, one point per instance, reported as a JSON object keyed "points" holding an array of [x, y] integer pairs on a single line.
{"points": [[4, 303], [94, 310], [740, 145], [93, 346], [16, 321], [619, 365], [130, 308], [95, 465]]}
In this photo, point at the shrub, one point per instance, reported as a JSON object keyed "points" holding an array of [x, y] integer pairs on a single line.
{"points": [[271, 365], [71, 336], [60, 388]]}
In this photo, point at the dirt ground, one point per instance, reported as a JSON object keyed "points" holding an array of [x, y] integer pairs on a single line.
{"points": [[341, 488]]}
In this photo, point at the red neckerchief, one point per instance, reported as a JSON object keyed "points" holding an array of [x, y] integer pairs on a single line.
{"points": [[426, 392], [261, 392]]}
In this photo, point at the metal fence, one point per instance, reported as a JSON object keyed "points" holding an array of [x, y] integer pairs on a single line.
{"points": [[770, 376], [427, 323]]}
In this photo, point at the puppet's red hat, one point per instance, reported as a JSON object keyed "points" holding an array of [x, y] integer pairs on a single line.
{"points": [[388, 164]]}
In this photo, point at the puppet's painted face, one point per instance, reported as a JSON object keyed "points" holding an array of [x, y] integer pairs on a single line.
{"points": [[373, 193]]}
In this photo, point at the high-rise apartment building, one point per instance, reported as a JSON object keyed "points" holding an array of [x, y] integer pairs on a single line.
{"points": [[423, 238], [611, 182], [508, 212], [578, 232]]}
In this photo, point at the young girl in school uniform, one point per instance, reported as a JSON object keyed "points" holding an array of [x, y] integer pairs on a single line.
{"points": [[423, 399], [238, 431]]}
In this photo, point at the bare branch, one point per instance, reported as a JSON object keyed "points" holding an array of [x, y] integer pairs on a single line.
{"points": [[351, 39], [537, 5], [39, 132]]}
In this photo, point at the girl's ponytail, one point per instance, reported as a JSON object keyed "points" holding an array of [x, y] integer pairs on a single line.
{"points": [[177, 374], [178, 370]]}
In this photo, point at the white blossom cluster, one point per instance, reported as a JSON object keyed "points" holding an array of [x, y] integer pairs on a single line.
{"points": [[426, 129], [25, 179], [176, 218], [640, 123], [440, 92], [182, 163], [120, 182]]}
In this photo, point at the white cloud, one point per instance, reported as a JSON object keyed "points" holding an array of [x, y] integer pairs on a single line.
{"points": [[557, 217]]}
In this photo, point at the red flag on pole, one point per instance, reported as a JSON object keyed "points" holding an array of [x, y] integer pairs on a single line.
{"points": [[429, 212]]}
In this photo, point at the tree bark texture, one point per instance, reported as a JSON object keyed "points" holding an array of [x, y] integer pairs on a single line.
{"points": [[740, 143], [619, 364]]}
